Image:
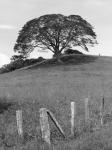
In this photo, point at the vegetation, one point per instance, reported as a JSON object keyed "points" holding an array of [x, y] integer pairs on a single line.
{"points": [[18, 62], [56, 33], [72, 51], [17, 58], [54, 88]]}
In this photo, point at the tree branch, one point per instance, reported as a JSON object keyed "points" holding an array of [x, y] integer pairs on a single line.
{"points": [[67, 41]]}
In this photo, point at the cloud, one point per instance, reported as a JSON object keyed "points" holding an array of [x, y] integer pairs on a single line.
{"points": [[6, 27], [4, 59]]}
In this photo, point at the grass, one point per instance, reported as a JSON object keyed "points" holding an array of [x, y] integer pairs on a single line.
{"points": [[54, 87]]}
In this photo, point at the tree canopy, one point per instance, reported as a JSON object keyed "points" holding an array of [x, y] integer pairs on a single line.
{"points": [[56, 33]]}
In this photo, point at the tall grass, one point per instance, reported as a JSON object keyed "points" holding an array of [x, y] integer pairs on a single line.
{"points": [[54, 88]]}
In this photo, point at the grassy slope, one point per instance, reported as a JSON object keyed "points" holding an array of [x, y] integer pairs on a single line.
{"points": [[54, 87]]}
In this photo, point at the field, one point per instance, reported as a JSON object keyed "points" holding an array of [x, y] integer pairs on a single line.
{"points": [[54, 87]]}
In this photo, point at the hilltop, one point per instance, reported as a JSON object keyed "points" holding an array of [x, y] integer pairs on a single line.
{"points": [[54, 86], [83, 75]]}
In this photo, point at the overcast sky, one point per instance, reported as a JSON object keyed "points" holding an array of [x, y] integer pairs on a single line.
{"points": [[15, 13]]}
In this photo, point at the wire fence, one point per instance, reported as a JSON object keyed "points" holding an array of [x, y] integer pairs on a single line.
{"points": [[19, 124]]}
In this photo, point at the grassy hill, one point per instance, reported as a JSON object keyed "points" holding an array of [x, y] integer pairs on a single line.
{"points": [[54, 86]]}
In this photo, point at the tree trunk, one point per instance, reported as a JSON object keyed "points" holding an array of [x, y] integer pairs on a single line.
{"points": [[57, 55], [58, 60]]}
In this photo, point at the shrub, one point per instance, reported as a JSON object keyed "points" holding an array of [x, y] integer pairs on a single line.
{"points": [[19, 63], [72, 51]]}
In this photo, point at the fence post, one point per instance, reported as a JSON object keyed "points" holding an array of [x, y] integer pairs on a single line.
{"points": [[102, 110], [73, 112], [45, 130], [56, 123], [86, 110], [19, 122]]}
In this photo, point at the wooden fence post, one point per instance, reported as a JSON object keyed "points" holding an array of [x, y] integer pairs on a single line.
{"points": [[73, 112], [45, 130], [86, 110], [19, 122], [56, 123], [102, 111]]}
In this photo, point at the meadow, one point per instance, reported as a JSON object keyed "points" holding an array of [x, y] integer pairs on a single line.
{"points": [[54, 87]]}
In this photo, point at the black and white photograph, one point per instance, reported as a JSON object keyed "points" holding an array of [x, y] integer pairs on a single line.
{"points": [[55, 75]]}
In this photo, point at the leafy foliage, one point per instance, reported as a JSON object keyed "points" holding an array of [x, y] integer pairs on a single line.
{"points": [[17, 58], [72, 51], [18, 62], [56, 33]]}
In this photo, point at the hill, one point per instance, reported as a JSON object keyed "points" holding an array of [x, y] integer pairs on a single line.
{"points": [[54, 87]]}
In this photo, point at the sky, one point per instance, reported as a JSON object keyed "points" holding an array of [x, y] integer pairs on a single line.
{"points": [[15, 13]]}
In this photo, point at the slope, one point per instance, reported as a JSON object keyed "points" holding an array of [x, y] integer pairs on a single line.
{"points": [[54, 87]]}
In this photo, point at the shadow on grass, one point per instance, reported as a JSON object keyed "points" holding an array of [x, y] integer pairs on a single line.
{"points": [[78, 59], [5, 105]]}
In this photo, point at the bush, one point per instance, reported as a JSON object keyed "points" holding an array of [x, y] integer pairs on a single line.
{"points": [[71, 51], [17, 64]]}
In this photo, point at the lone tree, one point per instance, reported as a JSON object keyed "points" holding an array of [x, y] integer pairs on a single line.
{"points": [[56, 33]]}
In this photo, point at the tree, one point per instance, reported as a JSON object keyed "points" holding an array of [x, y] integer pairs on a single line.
{"points": [[17, 58], [56, 33]]}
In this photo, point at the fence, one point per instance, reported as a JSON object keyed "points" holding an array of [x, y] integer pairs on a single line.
{"points": [[46, 114]]}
